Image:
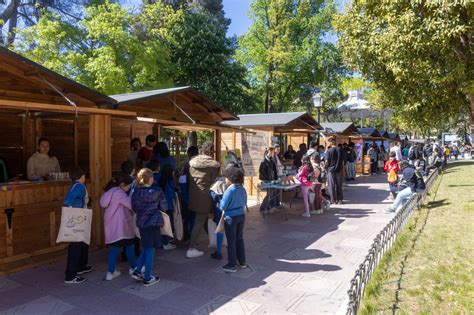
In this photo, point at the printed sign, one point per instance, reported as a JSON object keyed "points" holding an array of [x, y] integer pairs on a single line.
{"points": [[253, 149]]}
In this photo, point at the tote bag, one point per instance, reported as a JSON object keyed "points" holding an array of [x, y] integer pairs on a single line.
{"points": [[178, 219], [75, 225], [211, 227], [166, 228]]}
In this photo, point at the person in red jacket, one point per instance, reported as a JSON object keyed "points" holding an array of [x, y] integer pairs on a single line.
{"points": [[392, 165]]}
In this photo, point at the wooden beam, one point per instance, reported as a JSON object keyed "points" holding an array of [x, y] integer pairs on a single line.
{"points": [[63, 108]]}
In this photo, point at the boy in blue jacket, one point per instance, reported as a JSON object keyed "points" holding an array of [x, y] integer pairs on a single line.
{"points": [[233, 205], [77, 252]]}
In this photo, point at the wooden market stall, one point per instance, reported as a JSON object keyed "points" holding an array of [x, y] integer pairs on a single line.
{"points": [[259, 131], [341, 131], [365, 137], [36, 102]]}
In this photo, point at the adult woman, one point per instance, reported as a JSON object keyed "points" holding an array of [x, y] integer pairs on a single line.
{"points": [[290, 153], [132, 155], [203, 171], [406, 188], [161, 153], [40, 164], [268, 172]]}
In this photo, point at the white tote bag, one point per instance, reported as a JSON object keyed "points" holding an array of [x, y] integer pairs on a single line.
{"points": [[211, 228], [75, 225], [166, 228], [178, 219]]}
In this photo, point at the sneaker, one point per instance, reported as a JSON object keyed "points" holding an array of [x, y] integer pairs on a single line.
{"points": [[112, 275], [75, 280], [137, 276], [217, 256], [388, 210], [153, 280], [243, 265], [87, 269], [306, 215], [229, 269], [169, 246], [193, 253], [314, 212]]}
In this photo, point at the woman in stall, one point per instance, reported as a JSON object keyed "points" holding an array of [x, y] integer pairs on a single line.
{"points": [[41, 164]]}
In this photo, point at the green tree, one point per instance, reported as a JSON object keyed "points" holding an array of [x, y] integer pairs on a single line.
{"points": [[417, 54], [107, 50], [287, 53], [203, 56]]}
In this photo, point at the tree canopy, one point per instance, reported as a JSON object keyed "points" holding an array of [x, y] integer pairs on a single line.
{"points": [[417, 54], [286, 52]]}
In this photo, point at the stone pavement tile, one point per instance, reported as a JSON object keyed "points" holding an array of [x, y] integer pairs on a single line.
{"points": [[153, 292], [296, 222], [43, 305], [186, 299], [348, 227], [305, 254], [250, 271], [226, 305], [7, 285], [267, 310], [313, 304], [356, 242], [275, 296], [19, 295], [314, 284], [176, 257], [297, 235], [254, 245], [281, 278]]}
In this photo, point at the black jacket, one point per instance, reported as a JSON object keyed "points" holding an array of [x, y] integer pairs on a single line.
{"points": [[409, 178], [267, 170]]}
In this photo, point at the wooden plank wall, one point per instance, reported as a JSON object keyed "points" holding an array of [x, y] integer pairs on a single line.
{"points": [[123, 131], [11, 146]]}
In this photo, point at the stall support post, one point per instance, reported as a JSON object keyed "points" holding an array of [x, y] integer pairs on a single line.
{"points": [[217, 144], [100, 166]]}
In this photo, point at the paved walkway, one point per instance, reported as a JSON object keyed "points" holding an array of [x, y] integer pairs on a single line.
{"points": [[299, 266]]}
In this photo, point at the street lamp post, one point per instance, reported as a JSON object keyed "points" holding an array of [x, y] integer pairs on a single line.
{"points": [[318, 103]]}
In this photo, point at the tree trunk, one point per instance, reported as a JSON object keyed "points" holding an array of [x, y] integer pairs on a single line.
{"points": [[470, 96]]}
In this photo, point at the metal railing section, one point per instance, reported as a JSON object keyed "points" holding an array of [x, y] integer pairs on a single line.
{"points": [[382, 243]]}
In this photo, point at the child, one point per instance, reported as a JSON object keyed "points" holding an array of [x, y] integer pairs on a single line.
{"points": [[127, 169], [233, 204], [166, 182], [118, 223], [303, 175], [217, 192], [320, 203], [77, 252], [148, 203], [391, 168]]}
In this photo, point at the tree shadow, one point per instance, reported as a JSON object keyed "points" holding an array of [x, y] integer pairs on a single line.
{"points": [[437, 203]]}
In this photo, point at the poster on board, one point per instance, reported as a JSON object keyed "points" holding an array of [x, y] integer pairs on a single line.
{"points": [[253, 149]]}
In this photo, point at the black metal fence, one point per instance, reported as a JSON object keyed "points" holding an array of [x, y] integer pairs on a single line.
{"points": [[382, 242]]}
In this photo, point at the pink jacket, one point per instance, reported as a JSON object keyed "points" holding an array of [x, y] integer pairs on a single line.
{"points": [[302, 176], [118, 215]]}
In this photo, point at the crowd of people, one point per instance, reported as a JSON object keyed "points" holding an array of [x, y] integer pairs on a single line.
{"points": [[143, 196], [138, 205]]}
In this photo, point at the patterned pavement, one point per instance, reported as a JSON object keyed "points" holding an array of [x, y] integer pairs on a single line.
{"points": [[299, 266]]}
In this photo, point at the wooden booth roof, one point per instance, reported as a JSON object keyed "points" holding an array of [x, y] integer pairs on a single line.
{"points": [[278, 122], [345, 128], [24, 80], [369, 132], [175, 107]]}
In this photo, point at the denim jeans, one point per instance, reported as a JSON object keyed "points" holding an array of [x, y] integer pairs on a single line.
{"points": [[235, 239], [272, 199], [402, 197]]}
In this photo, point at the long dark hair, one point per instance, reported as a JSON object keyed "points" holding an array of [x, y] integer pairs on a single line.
{"points": [[307, 161], [161, 149], [166, 174], [118, 180]]}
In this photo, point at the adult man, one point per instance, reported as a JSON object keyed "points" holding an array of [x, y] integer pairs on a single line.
{"points": [[415, 155], [334, 163], [351, 158], [398, 152], [299, 155]]}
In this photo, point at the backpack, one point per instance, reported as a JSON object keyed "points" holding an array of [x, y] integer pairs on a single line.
{"points": [[411, 153], [392, 177]]}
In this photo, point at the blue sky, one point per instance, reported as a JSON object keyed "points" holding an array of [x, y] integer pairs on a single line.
{"points": [[237, 10]]}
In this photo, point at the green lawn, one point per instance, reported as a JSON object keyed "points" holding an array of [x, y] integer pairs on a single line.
{"points": [[430, 269]]}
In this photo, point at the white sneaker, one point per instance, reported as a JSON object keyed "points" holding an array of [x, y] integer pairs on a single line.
{"points": [[169, 246], [306, 215], [193, 253], [112, 275]]}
